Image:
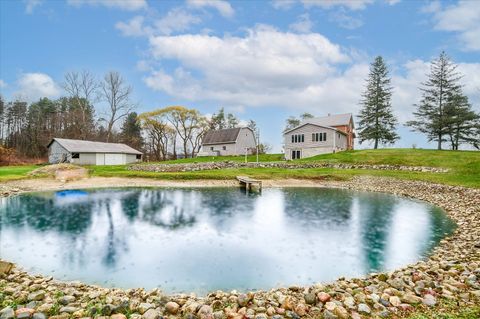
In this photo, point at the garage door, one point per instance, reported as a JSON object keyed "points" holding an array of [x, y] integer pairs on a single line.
{"points": [[114, 159]]}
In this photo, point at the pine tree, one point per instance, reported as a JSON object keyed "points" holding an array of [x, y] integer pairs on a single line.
{"points": [[441, 87], [377, 122], [462, 122], [131, 133]]}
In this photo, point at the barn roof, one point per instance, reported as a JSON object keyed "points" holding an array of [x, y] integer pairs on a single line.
{"points": [[330, 120], [81, 146], [228, 135]]}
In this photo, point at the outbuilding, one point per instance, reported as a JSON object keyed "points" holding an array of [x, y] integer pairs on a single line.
{"points": [[62, 150], [228, 142]]}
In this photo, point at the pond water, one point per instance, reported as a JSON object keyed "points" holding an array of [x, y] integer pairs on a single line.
{"points": [[204, 239]]}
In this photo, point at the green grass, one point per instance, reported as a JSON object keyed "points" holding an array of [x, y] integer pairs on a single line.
{"points": [[445, 310], [464, 167]]}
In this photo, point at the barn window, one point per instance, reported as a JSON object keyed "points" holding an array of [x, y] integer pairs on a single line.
{"points": [[211, 148], [224, 148], [139, 156], [75, 155]]}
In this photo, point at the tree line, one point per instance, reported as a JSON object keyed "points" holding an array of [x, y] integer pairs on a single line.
{"points": [[162, 134], [444, 113]]}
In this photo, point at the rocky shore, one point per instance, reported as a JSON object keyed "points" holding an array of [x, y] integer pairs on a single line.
{"points": [[451, 273], [192, 167]]}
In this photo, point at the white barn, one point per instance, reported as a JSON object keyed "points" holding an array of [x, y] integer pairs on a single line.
{"points": [[228, 142], [61, 150]]}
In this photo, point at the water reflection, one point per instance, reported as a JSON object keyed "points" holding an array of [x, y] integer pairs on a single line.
{"points": [[206, 239]]}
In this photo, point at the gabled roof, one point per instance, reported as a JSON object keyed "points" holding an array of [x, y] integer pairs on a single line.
{"points": [[228, 135], [81, 146], [331, 120]]}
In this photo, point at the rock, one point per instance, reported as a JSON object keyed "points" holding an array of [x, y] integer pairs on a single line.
{"points": [[243, 300], [36, 296], [24, 313], [7, 313], [310, 298], [118, 316], [327, 314], [364, 308], [108, 309], [63, 316], [395, 301], [301, 309], [151, 314], [323, 297], [261, 316], [411, 299], [429, 300], [205, 312], [341, 312], [172, 307], [39, 315], [65, 300], [68, 309], [330, 306], [349, 302], [218, 315], [382, 277], [143, 307], [291, 315], [396, 283]]}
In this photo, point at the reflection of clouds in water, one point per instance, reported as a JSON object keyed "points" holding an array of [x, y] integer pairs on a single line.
{"points": [[206, 239]]}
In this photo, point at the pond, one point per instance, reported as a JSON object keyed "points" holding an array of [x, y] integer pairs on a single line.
{"points": [[205, 239]]}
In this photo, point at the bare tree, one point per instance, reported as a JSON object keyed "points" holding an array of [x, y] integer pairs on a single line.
{"points": [[116, 93], [82, 89]]}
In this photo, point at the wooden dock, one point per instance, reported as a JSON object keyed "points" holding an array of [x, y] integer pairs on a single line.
{"points": [[249, 182]]}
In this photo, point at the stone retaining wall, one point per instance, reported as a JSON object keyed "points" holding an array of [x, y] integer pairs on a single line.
{"points": [[191, 167], [452, 272]]}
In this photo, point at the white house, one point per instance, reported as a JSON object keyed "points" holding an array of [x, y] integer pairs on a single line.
{"points": [[231, 141], [320, 135], [61, 150]]}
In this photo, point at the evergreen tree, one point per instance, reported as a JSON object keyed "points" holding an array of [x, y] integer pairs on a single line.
{"points": [[218, 122], [462, 122], [131, 133], [232, 121], [439, 91], [377, 122], [305, 116]]}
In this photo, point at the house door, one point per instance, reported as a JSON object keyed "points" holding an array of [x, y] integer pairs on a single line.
{"points": [[295, 155]]}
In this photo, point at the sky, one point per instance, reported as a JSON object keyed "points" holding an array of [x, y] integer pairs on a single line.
{"points": [[261, 60]]}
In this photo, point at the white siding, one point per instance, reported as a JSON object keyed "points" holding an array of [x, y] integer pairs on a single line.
{"points": [[56, 153], [245, 139], [85, 159], [100, 158], [132, 158], [115, 159], [309, 147]]}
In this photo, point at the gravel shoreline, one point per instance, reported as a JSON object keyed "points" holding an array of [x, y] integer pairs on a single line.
{"points": [[452, 272]]}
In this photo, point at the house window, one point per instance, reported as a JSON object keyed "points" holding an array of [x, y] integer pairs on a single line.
{"points": [[295, 154], [293, 138], [319, 137], [75, 155], [298, 138], [224, 148], [211, 148], [139, 156]]}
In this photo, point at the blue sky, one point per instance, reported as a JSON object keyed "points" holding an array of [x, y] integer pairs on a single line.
{"points": [[262, 60]]}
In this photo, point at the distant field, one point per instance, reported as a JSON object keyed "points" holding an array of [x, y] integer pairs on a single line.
{"points": [[464, 167]]}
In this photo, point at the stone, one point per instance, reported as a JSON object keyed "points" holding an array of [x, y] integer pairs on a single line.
{"points": [[205, 312], [327, 314], [118, 316], [68, 309], [271, 311], [310, 298], [218, 315], [143, 307], [36, 296], [261, 316], [63, 316], [323, 297], [429, 300], [39, 315], [330, 306], [396, 283], [243, 300], [151, 314], [395, 301], [341, 312], [411, 299], [364, 308], [65, 300], [291, 315], [349, 302], [7, 313], [24, 313], [301, 309], [172, 307]]}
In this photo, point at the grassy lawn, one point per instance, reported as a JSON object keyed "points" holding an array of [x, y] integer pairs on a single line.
{"points": [[464, 167]]}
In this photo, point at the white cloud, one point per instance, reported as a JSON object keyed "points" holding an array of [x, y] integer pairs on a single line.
{"points": [[344, 20], [176, 20], [31, 4], [129, 5], [283, 4], [32, 86], [393, 2], [303, 24], [462, 18], [223, 7], [327, 4], [3, 84]]}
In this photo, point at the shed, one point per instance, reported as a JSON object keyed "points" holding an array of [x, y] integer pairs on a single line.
{"points": [[230, 141], [62, 150]]}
